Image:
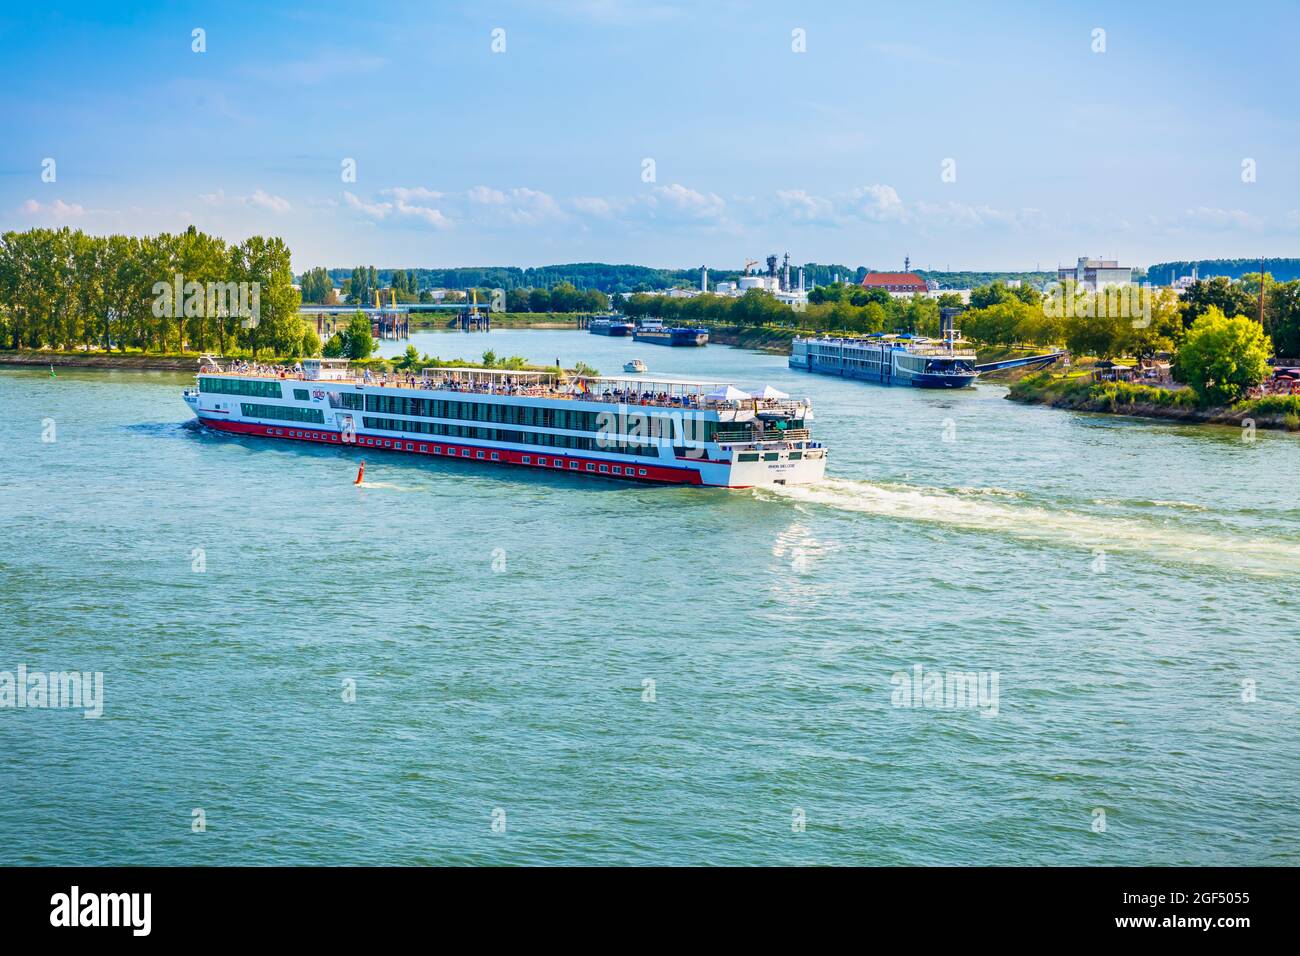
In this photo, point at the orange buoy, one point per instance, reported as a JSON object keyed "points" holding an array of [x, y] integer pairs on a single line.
{"points": [[361, 474]]}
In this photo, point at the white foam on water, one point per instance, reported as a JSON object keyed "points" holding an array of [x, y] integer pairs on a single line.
{"points": [[960, 509], [386, 485], [1149, 503]]}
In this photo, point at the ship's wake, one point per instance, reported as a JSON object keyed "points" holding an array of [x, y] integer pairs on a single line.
{"points": [[994, 511], [388, 486]]}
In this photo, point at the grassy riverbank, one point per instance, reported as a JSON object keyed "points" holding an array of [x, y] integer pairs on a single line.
{"points": [[1076, 390], [129, 361], [763, 338]]}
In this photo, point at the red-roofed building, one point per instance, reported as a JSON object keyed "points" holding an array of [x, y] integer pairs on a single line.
{"points": [[894, 281]]}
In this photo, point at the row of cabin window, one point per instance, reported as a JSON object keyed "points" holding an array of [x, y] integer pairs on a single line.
{"points": [[284, 413], [510, 436], [237, 386], [573, 466]]}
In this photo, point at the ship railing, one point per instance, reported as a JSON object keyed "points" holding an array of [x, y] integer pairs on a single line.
{"points": [[943, 351], [792, 408], [771, 435]]}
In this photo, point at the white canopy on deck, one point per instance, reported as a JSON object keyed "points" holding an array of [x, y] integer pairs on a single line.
{"points": [[728, 393]]}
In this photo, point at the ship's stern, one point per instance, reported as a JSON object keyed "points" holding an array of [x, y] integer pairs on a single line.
{"points": [[777, 466]]}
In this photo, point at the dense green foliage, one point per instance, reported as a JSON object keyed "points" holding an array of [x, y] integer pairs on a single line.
{"points": [[1223, 356], [561, 297], [1228, 297], [972, 280], [1276, 405], [317, 288], [1282, 317], [1281, 306], [837, 308], [62, 288], [1114, 395], [583, 275], [1080, 391], [353, 341]]}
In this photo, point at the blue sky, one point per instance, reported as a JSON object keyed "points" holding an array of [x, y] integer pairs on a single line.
{"points": [[534, 155]]}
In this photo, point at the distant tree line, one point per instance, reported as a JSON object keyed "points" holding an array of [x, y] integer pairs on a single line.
{"points": [[972, 280], [318, 288], [406, 285], [64, 289], [832, 308], [597, 276], [623, 279], [561, 297], [1164, 273]]}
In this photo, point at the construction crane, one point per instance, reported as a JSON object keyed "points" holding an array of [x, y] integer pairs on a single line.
{"points": [[748, 263]]}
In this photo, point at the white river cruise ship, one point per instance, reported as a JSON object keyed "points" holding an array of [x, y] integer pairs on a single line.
{"points": [[675, 431]]}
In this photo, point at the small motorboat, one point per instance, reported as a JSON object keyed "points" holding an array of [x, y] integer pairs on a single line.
{"points": [[636, 365]]}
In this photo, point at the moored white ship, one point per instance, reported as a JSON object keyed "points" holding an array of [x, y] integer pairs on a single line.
{"points": [[677, 431], [889, 360]]}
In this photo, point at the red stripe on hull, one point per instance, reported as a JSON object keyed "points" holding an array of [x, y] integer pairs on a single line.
{"points": [[570, 464]]}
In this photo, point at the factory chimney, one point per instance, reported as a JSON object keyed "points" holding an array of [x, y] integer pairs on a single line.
{"points": [[704, 279]]}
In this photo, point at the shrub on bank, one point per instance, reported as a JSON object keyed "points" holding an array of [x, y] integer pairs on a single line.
{"points": [[1114, 394], [1079, 391], [1274, 405], [1051, 388]]}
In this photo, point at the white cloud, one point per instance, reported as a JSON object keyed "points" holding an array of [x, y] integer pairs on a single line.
{"points": [[402, 208], [681, 199], [486, 196], [878, 203], [800, 204], [412, 192], [433, 217], [264, 200], [377, 210], [260, 199], [955, 215], [55, 210], [520, 205], [594, 206], [881, 203]]}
